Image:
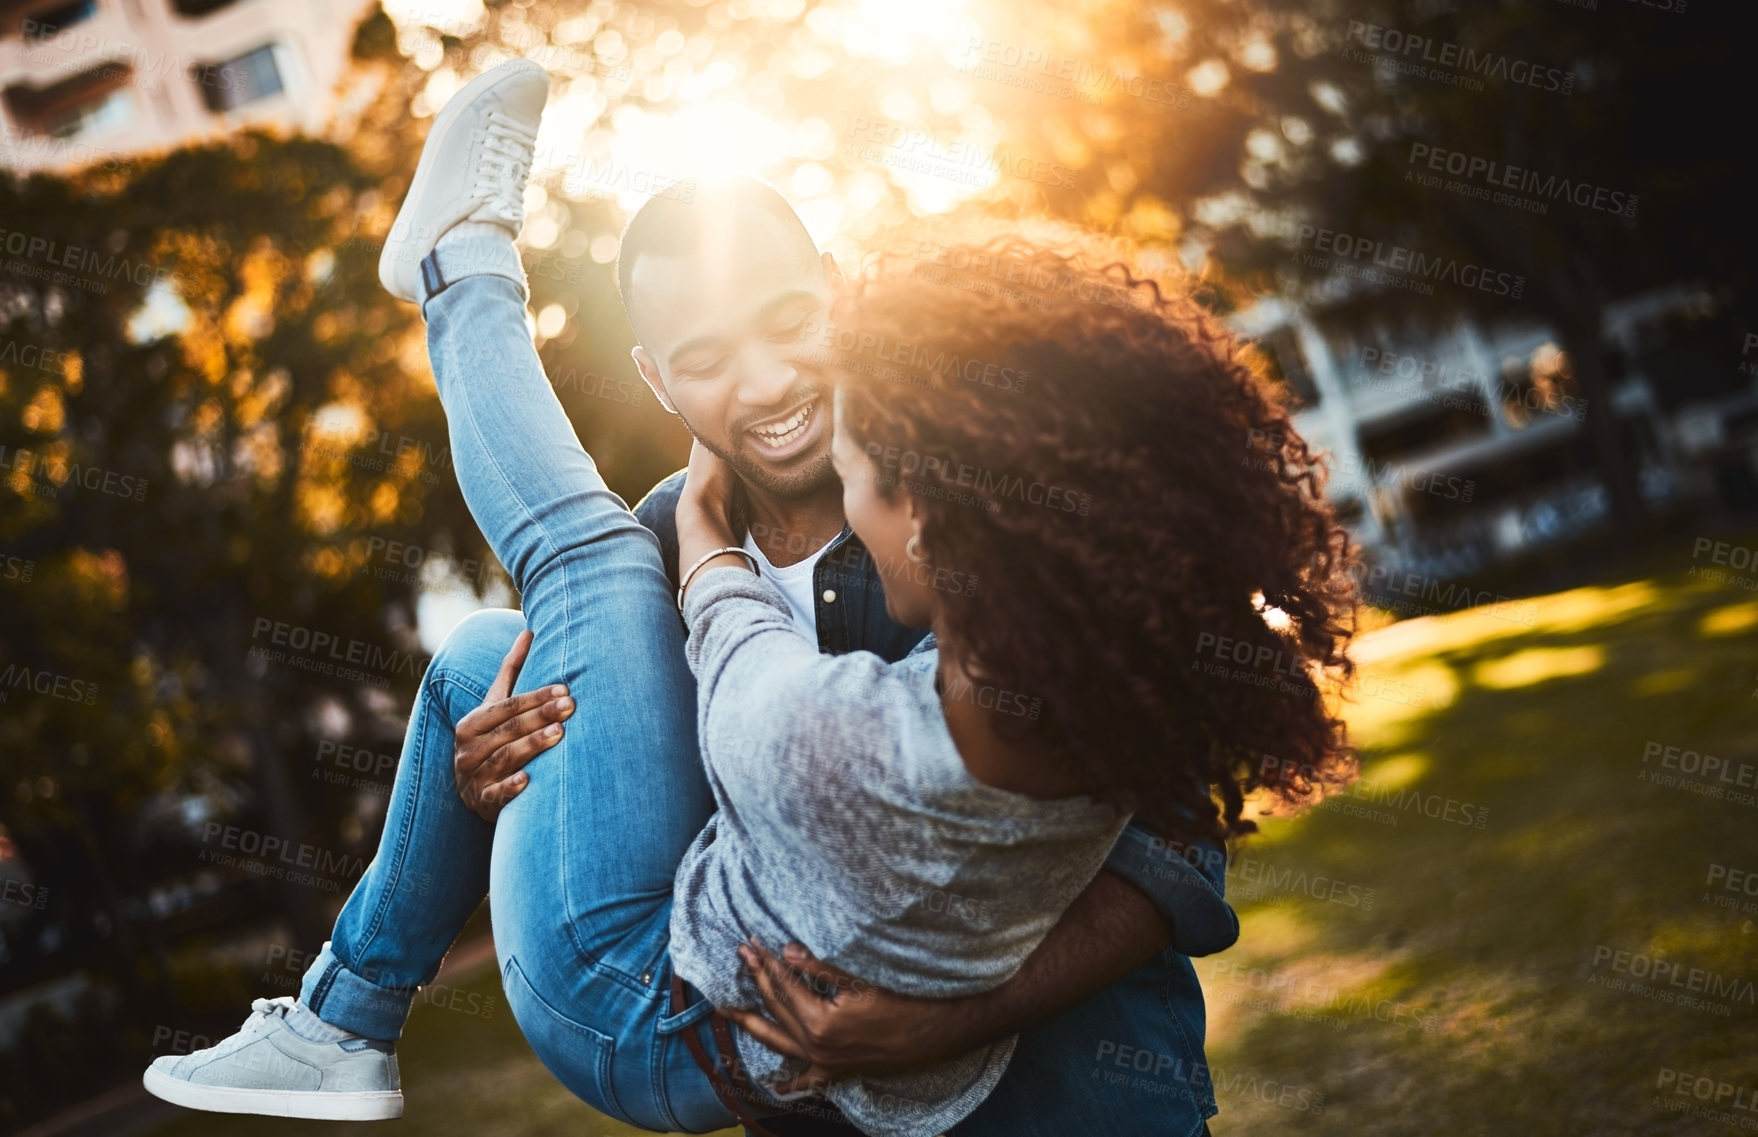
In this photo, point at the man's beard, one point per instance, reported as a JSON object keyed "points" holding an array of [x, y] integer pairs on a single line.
{"points": [[810, 476]]}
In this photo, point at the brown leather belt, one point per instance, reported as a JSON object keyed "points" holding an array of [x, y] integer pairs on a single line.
{"points": [[733, 1086], [728, 1084]]}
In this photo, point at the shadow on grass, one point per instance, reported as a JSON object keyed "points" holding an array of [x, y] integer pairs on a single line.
{"points": [[1475, 995]]}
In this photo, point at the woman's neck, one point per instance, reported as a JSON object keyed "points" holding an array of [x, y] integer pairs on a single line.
{"points": [[974, 708]]}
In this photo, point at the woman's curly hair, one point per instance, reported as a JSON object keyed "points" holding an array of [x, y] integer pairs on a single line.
{"points": [[1152, 556]]}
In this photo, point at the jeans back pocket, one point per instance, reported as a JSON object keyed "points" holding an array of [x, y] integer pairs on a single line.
{"points": [[579, 1057]]}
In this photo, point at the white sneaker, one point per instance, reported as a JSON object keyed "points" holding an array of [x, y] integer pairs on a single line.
{"points": [[266, 1068], [473, 167]]}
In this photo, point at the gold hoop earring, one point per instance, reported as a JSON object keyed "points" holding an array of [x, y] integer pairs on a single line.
{"points": [[913, 549]]}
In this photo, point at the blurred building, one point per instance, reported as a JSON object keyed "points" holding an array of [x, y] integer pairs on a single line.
{"points": [[1457, 452], [93, 81]]}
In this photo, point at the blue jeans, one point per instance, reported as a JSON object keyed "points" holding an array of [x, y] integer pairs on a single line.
{"points": [[579, 866]]}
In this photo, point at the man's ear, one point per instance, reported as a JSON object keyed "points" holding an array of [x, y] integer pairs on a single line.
{"points": [[650, 372], [833, 273]]}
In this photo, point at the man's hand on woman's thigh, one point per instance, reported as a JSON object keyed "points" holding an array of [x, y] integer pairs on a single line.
{"points": [[495, 740]]}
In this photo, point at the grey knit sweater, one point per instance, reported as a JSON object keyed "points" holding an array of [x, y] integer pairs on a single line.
{"points": [[848, 822]]}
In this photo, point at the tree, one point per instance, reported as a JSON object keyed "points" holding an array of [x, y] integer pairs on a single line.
{"points": [[1569, 150], [176, 499]]}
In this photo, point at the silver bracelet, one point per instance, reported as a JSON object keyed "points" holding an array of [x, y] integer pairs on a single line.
{"points": [[708, 557]]}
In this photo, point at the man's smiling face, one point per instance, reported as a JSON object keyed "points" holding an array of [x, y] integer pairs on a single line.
{"points": [[728, 330]]}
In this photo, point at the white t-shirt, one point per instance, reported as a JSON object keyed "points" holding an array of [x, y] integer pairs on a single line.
{"points": [[795, 582]]}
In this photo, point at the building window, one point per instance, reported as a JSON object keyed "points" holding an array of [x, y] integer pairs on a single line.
{"points": [[194, 8], [98, 116], [95, 99], [229, 85], [1285, 364], [48, 23]]}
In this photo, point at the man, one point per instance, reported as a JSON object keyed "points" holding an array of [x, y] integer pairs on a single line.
{"points": [[722, 291]]}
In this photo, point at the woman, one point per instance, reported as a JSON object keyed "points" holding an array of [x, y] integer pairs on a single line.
{"points": [[1101, 506], [997, 768]]}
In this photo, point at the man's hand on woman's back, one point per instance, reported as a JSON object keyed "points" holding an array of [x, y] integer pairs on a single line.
{"points": [[495, 740], [842, 1025]]}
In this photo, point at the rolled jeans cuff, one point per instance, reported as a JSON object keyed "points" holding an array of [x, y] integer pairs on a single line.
{"points": [[452, 261], [342, 998]]}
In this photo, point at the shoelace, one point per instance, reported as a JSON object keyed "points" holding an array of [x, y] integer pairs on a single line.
{"points": [[503, 166], [268, 1008], [261, 1011]]}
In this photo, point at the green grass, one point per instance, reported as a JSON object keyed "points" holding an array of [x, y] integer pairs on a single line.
{"points": [[1490, 935], [1480, 942]]}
